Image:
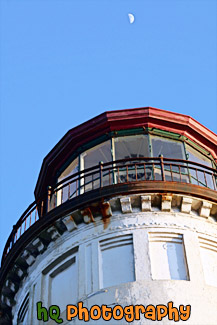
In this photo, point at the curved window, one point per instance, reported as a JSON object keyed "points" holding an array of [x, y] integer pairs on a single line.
{"points": [[100, 153], [167, 147], [71, 190], [168, 259], [91, 158], [70, 170], [196, 156], [60, 280], [197, 173], [64, 284], [117, 255], [127, 148], [131, 147]]}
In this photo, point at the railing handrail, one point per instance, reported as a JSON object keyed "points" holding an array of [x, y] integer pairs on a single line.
{"points": [[112, 166], [133, 159], [69, 179]]}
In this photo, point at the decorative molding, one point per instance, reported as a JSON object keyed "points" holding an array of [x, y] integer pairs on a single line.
{"points": [[126, 205], [145, 203], [205, 209], [186, 205], [138, 207], [30, 259], [87, 215], [37, 243], [69, 223], [166, 202], [53, 233]]}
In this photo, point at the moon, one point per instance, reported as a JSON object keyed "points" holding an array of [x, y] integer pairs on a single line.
{"points": [[131, 18]]}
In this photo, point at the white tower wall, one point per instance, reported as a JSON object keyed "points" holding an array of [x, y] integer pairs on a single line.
{"points": [[152, 250]]}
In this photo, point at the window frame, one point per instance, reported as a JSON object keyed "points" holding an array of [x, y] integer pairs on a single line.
{"points": [[167, 237], [58, 265], [134, 132], [113, 242]]}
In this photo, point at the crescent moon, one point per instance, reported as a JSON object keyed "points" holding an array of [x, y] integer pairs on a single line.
{"points": [[131, 18]]}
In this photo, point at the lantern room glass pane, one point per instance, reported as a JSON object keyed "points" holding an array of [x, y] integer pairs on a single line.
{"points": [[196, 156], [131, 147], [199, 175], [71, 190], [100, 153], [167, 147], [91, 158], [70, 170]]}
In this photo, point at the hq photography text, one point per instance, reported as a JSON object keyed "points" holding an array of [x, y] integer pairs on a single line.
{"points": [[128, 313]]}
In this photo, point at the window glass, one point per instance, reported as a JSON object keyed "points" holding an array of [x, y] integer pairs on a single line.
{"points": [[196, 156], [198, 176], [131, 147], [117, 260], [167, 147], [92, 157], [167, 256], [70, 170], [64, 284], [71, 190]]}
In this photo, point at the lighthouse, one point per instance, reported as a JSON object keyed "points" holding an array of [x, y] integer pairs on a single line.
{"points": [[123, 227]]}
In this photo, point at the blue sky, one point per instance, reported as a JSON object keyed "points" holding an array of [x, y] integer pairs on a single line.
{"points": [[63, 62]]}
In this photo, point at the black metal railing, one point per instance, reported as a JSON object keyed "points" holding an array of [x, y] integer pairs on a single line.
{"points": [[107, 174]]}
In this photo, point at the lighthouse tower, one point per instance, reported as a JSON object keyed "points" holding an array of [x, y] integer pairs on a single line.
{"points": [[125, 217]]}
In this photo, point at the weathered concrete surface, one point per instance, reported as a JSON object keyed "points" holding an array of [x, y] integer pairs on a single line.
{"points": [[192, 223]]}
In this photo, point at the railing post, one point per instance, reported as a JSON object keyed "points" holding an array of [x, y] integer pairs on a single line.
{"points": [[42, 209], [214, 177], [48, 198], [100, 174], [205, 178], [189, 173], [162, 167], [13, 235]]}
